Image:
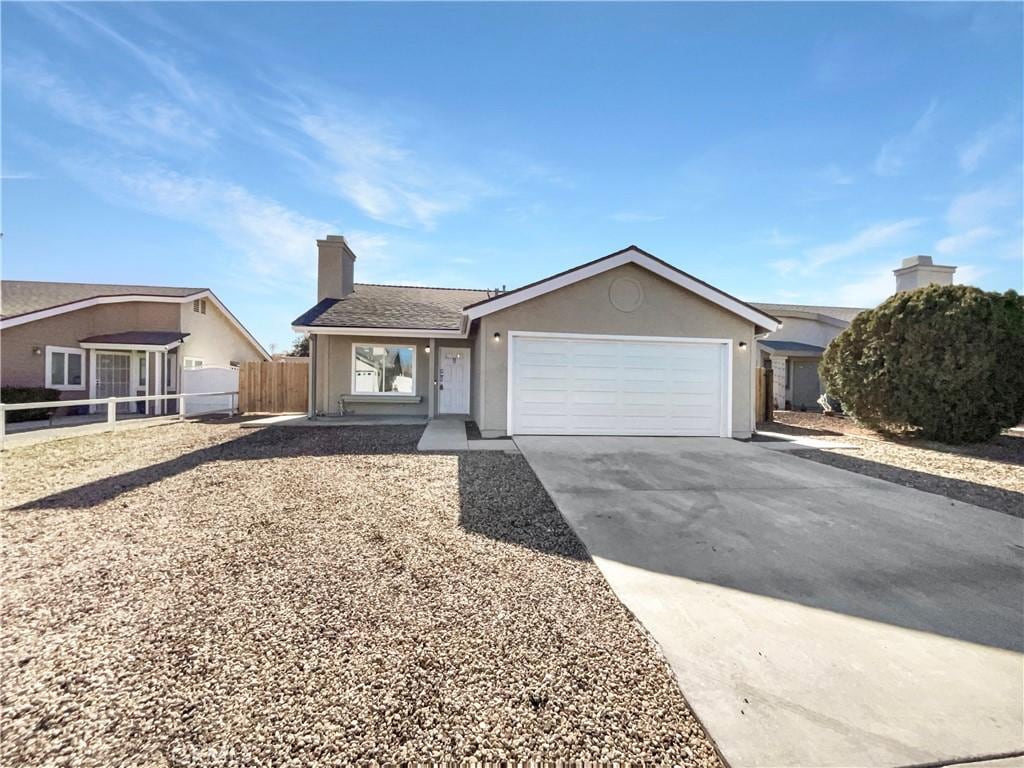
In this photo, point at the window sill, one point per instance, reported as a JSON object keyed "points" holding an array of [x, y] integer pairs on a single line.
{"points": [[66, 387], [382, 397]]}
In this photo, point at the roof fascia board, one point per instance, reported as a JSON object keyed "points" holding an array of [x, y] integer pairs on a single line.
{"points": [[418, 333], [800, 314], [629, 256], [143, 347]]}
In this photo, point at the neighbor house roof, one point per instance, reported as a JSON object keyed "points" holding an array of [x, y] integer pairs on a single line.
{"points": [[137, 338], [393, 306], [790, 346], [26, 301], [843, 314], [20, 297]]}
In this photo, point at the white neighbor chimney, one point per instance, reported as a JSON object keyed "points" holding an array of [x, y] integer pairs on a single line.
{"points": [[918, 271], [335, 268]]}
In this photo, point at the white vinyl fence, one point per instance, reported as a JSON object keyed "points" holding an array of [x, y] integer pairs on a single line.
{"points": [[195, 381], [229, 400]]}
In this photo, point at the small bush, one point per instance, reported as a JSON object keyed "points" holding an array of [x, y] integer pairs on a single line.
{"points": [[11, 395], [944, 362]]}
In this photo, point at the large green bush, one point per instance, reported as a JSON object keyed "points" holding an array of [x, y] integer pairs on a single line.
{"points": [[11, 395], [944, 362]]}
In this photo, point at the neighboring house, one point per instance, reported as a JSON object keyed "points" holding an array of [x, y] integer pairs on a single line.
{"points": [[794, 351], [626, 344], [90, 340]]}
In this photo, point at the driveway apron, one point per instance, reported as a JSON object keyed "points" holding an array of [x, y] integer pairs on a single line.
{"points": [[813, 616]]}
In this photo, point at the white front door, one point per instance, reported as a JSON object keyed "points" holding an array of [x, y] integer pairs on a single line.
{"points": [[453, 380], [573, 384]]}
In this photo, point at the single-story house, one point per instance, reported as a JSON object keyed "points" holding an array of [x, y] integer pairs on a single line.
{"points": [[794, 351], [92, 340], [626, 344]]}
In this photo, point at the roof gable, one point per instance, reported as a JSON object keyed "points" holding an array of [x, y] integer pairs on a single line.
{"points": [[630, 255]]}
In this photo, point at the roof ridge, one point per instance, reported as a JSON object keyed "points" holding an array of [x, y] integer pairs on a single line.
{"points": [[426, 287], [795, 304], [102, 285]]}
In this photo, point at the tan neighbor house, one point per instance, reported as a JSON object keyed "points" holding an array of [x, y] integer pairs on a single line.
{"points": [[625, 344], [95, 340]]}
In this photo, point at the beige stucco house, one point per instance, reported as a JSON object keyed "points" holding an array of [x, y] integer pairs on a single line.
{"points": [[91, 340], [625, 344], [794, 350]]}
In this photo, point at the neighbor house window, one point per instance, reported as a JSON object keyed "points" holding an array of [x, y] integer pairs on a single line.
{"points": [[143, 363], [192, 362], [65, 368], [383, 370]]}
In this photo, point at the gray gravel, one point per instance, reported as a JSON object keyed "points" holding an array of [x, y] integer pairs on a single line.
{"points": [[199, 595]]}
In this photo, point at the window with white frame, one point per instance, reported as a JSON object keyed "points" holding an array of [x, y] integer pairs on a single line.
{"points": [[65, 368], [383, 369], [142, 361], [192, 362]]}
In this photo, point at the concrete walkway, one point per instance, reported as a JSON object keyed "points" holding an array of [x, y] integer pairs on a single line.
{"points": [[447, 434], [814, 617]]}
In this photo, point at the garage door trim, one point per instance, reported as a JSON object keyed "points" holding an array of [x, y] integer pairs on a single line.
{"points": [[726, 406]]}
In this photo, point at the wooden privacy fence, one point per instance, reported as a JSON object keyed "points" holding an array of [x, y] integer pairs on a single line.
{"points": [[270, 386], [764, 397]]}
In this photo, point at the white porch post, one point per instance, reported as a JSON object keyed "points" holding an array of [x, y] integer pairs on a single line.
{"points": [[432, 379], [92, 378], [148, 382], [779, 381], [161, 362], [311, 404]]}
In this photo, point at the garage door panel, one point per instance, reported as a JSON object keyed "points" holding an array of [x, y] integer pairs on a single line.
{"points": [[593, 386]]}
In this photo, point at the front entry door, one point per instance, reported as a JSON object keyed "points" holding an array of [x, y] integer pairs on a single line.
{"points": [[453, 380], [113, 376]]}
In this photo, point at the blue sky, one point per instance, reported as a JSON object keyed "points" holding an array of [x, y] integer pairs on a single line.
{"points": [[783, 152]]}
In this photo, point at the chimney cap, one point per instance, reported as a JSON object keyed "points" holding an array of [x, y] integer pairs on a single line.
{"points": [[917, 261]]}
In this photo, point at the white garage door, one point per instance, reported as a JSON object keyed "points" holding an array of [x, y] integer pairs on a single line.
{"points": [[613, 385]]}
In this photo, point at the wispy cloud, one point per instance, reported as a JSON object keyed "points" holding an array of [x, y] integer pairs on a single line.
{"points": [[273, 242], [389, 182], [964, 241], [973, 152], [979, 207], [142, 121], [866, 240], [970, 274], [867, 291], [635, 217], [899, 151], [833, 174]]}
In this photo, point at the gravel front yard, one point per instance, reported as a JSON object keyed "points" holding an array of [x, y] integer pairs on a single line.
{"points": [[197, 594], [989, 474]]}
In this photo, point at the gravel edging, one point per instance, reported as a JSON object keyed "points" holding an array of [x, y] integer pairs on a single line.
{"points": [[195, 595]]}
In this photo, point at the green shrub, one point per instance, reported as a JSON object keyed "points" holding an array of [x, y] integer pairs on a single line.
{"points": [[944, 362], [10, 395]]}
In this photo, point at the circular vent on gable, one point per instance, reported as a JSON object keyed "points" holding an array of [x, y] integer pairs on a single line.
{"points": [[626, 294]]}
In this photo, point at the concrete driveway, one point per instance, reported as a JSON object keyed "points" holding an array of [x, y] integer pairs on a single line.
{"points": [[814, 617]]}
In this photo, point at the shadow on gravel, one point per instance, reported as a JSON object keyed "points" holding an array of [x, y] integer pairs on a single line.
{"points": [[501, 498], [998, 499], [257, 445]]}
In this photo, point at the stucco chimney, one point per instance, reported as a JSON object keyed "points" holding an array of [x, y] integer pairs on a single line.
{"points": [[918, 271], [335, 268]]}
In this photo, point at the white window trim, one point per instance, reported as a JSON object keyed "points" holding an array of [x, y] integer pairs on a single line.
{"points": [[384, 395], [49, 368], [185, 360], [725, 425], [142, 359]]}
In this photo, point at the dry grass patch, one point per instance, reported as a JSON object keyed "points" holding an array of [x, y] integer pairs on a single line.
{"points": [[199, 595]]}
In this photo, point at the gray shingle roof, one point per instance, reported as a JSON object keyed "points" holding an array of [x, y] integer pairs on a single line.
{"points": [[19, 297], [155, 338], [393, 306], [846, 314]]}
